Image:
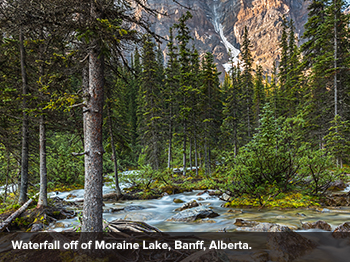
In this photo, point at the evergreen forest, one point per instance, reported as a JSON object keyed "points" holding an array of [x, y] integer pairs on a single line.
{"points": [[86, 93]]}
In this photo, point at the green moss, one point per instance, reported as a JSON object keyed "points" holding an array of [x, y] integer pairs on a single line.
{"points": [[290, 200]]}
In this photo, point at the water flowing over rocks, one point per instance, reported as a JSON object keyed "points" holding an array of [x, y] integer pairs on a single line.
{"points": [[192, 214]]}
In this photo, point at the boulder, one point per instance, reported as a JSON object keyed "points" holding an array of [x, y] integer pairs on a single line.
{"points": [[244, 223], [192, 203], [266, 227], [192, 214], [37, 227], [225, 197], [338, 200], [288, 246], [318, 224], [214, 192], [177, 201], [342, 231]]}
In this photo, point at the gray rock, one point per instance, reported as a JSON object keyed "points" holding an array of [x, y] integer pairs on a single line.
{"points": [[266, 227], [192, 203], [342, 231], [244, 223], [192, 214], [225, 197], [37, 227], [318, 224]]}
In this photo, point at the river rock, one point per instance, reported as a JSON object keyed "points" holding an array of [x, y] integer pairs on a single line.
{"points": [[244, 223], [266, 227], [318, 224], [288, 246], [225, 197], [342, 231], [200, 199], [177, 201], [338, 200], [214, 192], [192, 203], [71, 196], [337, 185], [202, 193], [301, 214], [37, 227], [192, 214]]}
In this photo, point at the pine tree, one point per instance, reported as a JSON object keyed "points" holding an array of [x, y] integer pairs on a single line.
{"points": [[259, 94], [248, 86], [172, 72], [183, 37], [211, 108]]}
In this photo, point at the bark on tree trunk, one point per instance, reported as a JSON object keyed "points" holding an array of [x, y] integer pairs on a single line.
{"points": [[114, 154], [42, 202], [93, 118], [170, 144], [195, 155], [190, 155], [25, 130], [184, 150], [7, 174]]}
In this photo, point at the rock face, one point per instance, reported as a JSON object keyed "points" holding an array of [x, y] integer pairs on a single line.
{"points": [[190, 215], [218, 26]]}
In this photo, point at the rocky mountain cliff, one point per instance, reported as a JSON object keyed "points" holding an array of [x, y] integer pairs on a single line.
{"points": [[218, 25]]}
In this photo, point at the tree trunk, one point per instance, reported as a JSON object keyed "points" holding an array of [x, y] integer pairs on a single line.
{"points": [[195, 155], [190, 155], [170, 143], [114, 154], [42, 202], [92, 210], [7, 174], [184, 150], [25, 129]]}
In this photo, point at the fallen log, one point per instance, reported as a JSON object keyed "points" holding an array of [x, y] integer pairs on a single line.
{"points": [[19, 211]]}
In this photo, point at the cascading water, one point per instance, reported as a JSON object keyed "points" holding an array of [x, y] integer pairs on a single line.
{"points": [[233, 52]]}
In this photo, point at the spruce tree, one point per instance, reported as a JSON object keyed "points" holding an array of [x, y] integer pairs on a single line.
{"points": [[247, 84], [150, 107]]}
